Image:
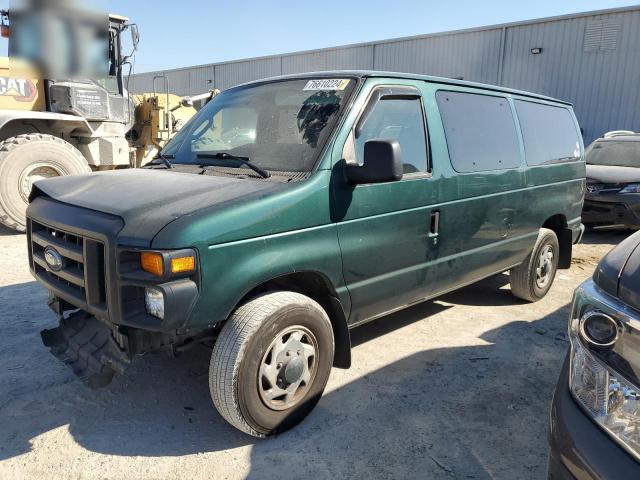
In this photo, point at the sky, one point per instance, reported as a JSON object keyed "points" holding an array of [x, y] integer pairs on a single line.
{"points": [[188, 32]]}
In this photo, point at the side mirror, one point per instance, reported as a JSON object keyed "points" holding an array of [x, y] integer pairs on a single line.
{"points": [[135, 36], [382, 163]]}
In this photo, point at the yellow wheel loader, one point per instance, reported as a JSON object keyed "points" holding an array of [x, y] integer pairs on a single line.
{"points": [[51, 127]]}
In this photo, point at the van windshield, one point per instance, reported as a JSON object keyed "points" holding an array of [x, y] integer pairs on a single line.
{"points": [[621, 153], [277, 126]]}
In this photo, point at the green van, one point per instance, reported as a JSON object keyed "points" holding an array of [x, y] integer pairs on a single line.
{"points": [[288, 211]]}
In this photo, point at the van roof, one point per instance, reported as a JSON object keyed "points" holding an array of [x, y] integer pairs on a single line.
{"points": [[411, 76]]}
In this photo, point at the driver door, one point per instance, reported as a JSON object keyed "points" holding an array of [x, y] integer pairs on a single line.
{"points": [[388, 232]]}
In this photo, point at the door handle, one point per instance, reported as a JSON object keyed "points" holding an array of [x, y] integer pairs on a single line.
{"points": [[434, 227]]}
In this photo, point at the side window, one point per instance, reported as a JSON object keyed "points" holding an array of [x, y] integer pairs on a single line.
{"points": [[402, 120], [549, 133], [480, 131]]}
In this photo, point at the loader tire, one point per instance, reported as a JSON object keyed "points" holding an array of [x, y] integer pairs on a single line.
{"points": [[25, 159]]}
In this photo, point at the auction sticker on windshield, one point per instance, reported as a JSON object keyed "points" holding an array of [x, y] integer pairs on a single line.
{"points": [[327, 84]]}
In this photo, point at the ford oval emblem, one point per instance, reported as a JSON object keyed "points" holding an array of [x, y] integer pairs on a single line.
{"points": [[53, 259]]}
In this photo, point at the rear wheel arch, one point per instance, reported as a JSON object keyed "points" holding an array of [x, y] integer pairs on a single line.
{"points": [[558, 223], [319, 288]]}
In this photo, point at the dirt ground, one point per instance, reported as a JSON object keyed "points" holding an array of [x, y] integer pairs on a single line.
{"points": [[458, 387]]}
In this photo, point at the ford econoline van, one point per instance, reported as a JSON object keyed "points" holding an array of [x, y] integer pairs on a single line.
{"points": [[290, 210]]}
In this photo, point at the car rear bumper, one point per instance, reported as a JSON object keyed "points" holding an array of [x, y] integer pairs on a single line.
{"points": [[622, 209], [579, 449]]}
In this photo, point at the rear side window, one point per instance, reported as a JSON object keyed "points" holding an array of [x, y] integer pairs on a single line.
{"points": [[401, 120], [480, 130], [549, 133]]}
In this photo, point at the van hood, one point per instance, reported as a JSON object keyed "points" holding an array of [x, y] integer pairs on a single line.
{"points": [[612, 174], [147, 200]]}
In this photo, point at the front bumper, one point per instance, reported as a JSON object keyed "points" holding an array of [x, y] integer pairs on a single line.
{"points": [[613, 209], [579, 449]]}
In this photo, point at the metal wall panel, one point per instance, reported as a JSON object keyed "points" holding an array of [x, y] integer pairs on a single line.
{"points": [[144, 83], [473, 56], [234, 73], [140, 82], [178, 81], [201, 80], [600, 78], [591, 60], [350, 58]]}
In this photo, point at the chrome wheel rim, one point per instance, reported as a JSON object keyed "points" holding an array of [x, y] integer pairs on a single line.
{"points": [[288, 368], [544, 268], [33, 173]]}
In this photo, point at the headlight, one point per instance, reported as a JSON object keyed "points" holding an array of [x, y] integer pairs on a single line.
{"points": [[631, 188], [609, 399], [154, 302], [599, 329]]}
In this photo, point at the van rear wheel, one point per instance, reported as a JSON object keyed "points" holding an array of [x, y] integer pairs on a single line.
{"points": [[532, 279], [271, 363]]}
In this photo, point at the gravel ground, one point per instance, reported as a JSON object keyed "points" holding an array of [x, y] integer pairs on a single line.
{"points": [[454, 388]]}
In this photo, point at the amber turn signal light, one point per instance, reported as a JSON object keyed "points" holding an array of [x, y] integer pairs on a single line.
{"points": [[152, 262], [183, 264]]}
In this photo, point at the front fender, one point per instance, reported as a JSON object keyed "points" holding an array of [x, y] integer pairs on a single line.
{"points": [[231, 270], [47, 122]]}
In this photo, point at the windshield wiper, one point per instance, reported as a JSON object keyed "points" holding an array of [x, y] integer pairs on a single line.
{"points": [[164, 159], [243, 160]]}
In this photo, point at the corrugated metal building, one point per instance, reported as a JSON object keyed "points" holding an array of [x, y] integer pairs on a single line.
{"points": [[591, 59]]}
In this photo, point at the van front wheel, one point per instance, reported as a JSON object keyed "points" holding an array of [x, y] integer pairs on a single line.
{"points": [[271, 363], [532, 279]]}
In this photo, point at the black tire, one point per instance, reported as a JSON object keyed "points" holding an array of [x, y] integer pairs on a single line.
{"points": [[246, 342], [525, 280], [25, 157]]}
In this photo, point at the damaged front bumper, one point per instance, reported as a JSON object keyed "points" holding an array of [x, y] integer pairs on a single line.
{"points": [[89, 347], [97, 289]]}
